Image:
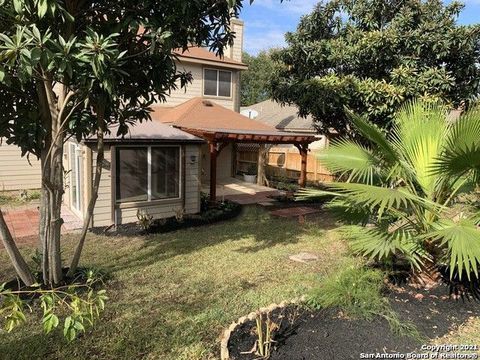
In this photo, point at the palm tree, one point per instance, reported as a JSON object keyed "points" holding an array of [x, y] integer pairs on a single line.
{"points": [[399, 192]]}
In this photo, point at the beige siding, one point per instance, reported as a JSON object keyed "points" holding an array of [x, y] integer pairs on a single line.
{"points": [[236, 51], [192, 179], [167, 208], [16, 173], [224, 163], [102, 214], [195, 88]]}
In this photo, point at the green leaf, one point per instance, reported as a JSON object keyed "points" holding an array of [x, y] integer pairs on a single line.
{"points": [[463, 241], [380, 244], [18, 5], [350, 158], [42, 8], [372, 133]]}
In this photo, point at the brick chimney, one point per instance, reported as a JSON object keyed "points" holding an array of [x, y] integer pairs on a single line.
{"points": [[235, 52]]}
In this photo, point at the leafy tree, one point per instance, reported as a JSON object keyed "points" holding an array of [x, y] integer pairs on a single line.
{"points": [[70, 69], [255, 81], [373, 55], [406, 187]]}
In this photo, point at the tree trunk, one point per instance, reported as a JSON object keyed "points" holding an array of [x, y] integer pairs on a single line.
{"points": [[262, 164], [94, 196], [18, 261], [51, 159], [50, 213]]}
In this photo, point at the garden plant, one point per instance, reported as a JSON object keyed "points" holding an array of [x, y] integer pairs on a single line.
{"points": [[400, 192]]}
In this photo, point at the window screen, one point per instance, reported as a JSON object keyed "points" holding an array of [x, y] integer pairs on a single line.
{"points": [[165, 173], [132, 174], [224, 83], [210, 82]]}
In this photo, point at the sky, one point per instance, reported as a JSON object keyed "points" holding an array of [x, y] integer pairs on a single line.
{"points": [[266, 21]]}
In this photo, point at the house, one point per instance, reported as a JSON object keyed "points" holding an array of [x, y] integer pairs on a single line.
{"points": [[17, 172], [159, 167], [284, 161], [284, 118]]}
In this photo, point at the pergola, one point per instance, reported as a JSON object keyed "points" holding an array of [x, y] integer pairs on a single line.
{"points": [[219, 138], [220, 126]]}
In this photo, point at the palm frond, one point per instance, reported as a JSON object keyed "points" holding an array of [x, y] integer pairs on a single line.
{"points": [[419, 135], [462, 147], [377, 244], [353, 159], [463, 241], [348, 212], [377, 197], [372, 133]]}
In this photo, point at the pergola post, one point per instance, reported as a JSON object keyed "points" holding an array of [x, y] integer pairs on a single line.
{"points": [[303, 149], [213, 170]]}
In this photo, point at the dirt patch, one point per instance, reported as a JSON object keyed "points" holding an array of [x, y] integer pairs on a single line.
{"points": [[327, 335]]}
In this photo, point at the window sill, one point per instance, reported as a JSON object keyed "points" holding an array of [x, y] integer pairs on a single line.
{"points": [[139, 204], [213, 97]]}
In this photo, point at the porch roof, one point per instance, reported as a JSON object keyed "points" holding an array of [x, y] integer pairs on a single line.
{"points": [[148, 131], [213, 122]]}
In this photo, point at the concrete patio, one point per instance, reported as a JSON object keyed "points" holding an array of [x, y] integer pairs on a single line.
{"points": [[244, 193]]}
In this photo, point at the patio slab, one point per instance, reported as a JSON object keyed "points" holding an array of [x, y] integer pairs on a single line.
{"points": [[23, 223], [244, 193]]}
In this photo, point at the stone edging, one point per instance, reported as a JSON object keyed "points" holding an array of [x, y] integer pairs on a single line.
{"points": [[224, 353]]}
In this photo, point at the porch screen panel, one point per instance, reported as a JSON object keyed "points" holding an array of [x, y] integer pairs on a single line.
{"points": [[132, 174], [210, 82], [165, 173], [224, 83]]}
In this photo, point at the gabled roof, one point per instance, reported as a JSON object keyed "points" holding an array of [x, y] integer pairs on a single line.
{"points": [[282, 117], [201, 55]]}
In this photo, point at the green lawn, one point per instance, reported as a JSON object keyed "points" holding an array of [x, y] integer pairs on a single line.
{"points": [[13, 199], [171, 295]]}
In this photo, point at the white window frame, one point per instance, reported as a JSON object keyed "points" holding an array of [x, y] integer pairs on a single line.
{"points": [[149, 169], [218, 83]]}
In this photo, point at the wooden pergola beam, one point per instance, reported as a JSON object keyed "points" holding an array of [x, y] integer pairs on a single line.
{"points": [[303, 149]]}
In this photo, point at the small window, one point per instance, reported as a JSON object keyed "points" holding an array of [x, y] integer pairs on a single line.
{"points": [[210, 81], [132, 174], [217, 83]]}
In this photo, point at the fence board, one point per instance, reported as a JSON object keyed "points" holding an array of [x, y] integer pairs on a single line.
{"points": [[286, 162]]}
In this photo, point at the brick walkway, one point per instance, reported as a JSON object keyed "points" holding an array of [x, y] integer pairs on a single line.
{"points": [[23, 223]]}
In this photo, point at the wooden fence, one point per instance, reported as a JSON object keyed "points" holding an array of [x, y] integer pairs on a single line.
{"points": [[285, 162]]}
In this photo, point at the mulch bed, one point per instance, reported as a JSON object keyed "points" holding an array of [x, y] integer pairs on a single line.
{"points": [[217, 213], [327, 335]]}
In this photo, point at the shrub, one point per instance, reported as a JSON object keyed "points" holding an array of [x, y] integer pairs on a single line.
{"points": [[398, 190], [356, 290]]}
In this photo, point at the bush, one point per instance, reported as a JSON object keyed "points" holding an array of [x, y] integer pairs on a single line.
{"points": [[212, 213], [356, 290]]}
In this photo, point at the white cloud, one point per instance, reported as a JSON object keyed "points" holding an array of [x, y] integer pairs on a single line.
{"points": [[255, 41]]}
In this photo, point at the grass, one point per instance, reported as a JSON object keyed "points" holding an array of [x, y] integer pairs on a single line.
{"points": [[171, 295], [15, 198]]}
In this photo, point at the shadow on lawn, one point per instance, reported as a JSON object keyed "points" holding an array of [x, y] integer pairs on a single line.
{"points": [[267, 231]]}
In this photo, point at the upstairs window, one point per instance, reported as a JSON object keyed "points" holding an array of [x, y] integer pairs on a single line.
{"points": [[217, 83]]}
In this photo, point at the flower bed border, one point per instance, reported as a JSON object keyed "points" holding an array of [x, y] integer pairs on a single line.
{"points": [[224, 352]]}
